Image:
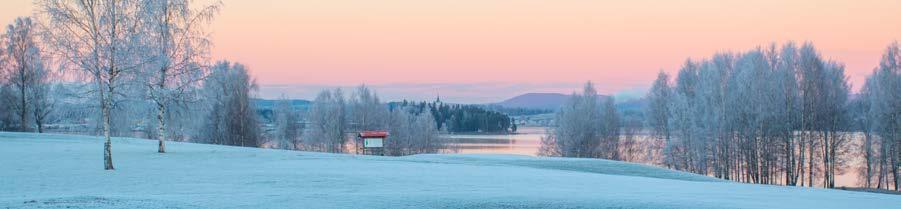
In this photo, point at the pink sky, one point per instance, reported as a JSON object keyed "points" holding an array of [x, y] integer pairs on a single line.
{"points": [[620, 45]]}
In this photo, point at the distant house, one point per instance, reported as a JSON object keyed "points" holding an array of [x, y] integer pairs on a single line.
{"points": [[373, 142]]}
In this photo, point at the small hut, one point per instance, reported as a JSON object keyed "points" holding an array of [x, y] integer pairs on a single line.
{"points": [[373, 142]]}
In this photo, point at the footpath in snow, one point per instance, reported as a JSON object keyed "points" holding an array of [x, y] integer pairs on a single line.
{"points": [[65, 171]]}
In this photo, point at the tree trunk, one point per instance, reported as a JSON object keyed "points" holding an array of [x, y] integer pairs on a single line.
{"points": [[826, 164], [810, 151], [791, 177], [23, 112], [868, 156], [832, 154], [161, 134], [895, 165], [107, 147], [883, 161], [802, 134]]}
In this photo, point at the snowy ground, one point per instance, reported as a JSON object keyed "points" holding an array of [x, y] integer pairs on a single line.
{"points": [[64, 171]]}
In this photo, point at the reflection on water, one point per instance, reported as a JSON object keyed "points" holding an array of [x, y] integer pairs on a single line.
{"points": [[525, 142], [528, 140]]}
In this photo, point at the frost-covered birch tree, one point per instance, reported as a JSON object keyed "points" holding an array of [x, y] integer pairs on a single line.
{"points": [[174, 37], [683, 109], [788, 117], [287, 127], [711, 111], [412, 133], [6, 118], [97, 39], [658, 113], [578, 129], [328, 123], [231, 117], [609, 147], [882, 97], [824, 92], [27, 75], [366, 112]]}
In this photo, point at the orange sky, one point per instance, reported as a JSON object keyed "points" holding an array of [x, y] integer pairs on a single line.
{"points": [[527, 43]]}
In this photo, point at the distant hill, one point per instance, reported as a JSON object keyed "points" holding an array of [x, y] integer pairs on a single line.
{"points": [[549, 101], [546, 101]]}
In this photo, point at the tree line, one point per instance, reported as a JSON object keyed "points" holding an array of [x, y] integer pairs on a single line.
{"points": [[770, 115], [458, 118], [333, 120]]}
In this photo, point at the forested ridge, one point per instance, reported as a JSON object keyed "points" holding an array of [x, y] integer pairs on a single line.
{"points": [[459, 118]]}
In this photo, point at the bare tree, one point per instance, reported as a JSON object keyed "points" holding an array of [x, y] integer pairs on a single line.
{"points": [[412, 133], [6, 118], [231, 115], [578, 131], [98, 39], [287, 129], [27, 74], [365, 111], [548, 145], [44, 102], [610, 131], [684, 109], [328, 123], [881, 95], [174, 37], [659, 114]]}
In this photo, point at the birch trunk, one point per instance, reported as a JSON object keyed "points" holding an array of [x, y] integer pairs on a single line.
{"points": [[106, 98], [160, 118]]}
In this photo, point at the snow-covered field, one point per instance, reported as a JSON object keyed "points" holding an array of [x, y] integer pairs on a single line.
{"points": [[64, 171]]}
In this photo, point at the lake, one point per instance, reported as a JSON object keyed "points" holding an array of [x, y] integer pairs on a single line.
{"points": [[527, 140]]}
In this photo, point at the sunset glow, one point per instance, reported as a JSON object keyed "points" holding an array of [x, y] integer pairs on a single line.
{"points": [[619, 45], [450, 104]]}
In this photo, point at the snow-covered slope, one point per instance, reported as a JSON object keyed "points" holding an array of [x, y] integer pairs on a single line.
{"points": [[60, 171]]}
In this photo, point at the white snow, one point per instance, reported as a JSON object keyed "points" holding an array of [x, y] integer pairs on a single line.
{"points": [[60, 171]]}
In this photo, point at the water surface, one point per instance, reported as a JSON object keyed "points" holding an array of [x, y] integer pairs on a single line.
{"points": [[527, 141]]}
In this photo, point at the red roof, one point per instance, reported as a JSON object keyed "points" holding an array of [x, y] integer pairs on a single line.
{"points": [[373, 134]]}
